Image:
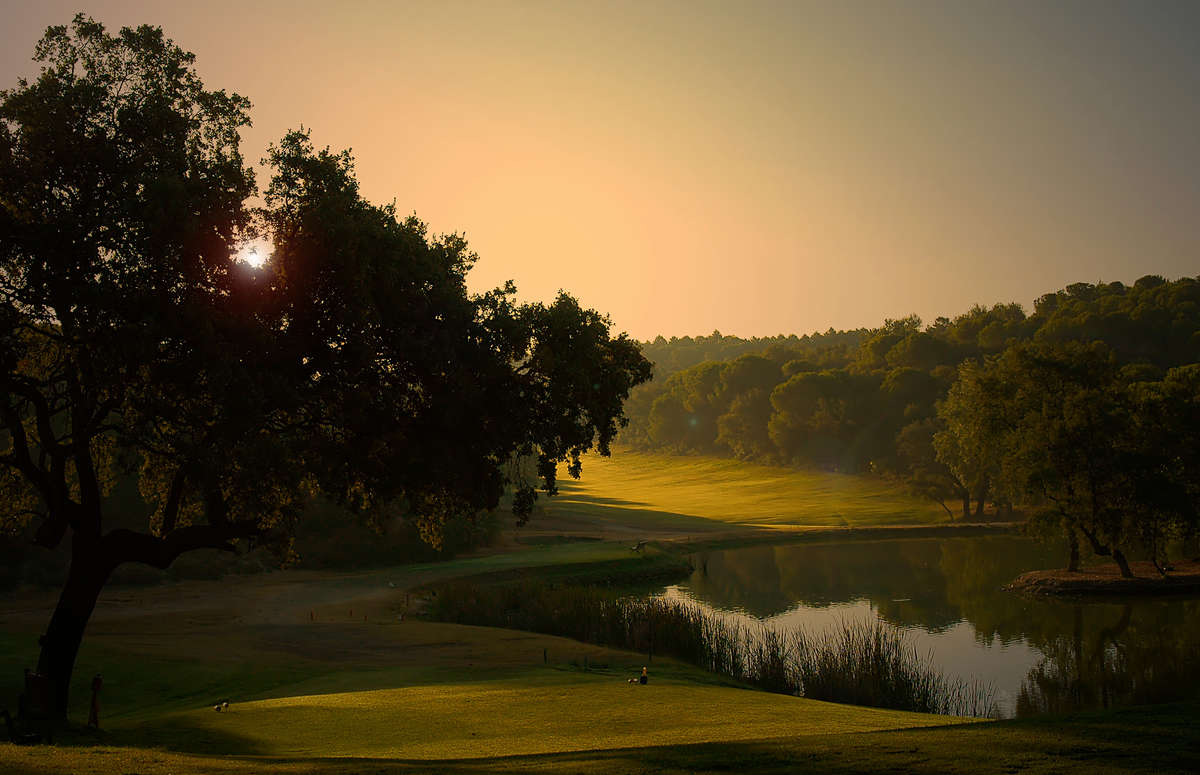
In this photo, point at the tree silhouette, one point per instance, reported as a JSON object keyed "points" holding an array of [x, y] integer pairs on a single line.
{"points": [[354, 364]]}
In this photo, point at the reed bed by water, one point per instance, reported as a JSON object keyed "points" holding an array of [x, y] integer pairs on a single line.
{"points": [[861, 664], [876, 664]]}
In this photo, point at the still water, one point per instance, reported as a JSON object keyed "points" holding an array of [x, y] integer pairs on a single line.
{"points": [[1039, 654]]}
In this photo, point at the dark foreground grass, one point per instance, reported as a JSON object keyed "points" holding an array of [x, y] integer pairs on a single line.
{"points": [[1153, 739]]}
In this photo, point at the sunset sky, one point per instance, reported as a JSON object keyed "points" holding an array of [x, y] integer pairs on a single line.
{"points": [[753, 167]]}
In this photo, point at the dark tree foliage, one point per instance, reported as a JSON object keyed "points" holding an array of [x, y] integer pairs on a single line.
{"points": [[354, 365], [1097, 456], [679, 353]]}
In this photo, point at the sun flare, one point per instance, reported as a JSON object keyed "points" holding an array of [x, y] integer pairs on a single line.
{"points": [[255, 253]]}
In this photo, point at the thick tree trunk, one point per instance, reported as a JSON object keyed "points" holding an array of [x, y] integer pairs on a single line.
{"points": [[60, 645], [981, 498], [1122, 563], [1073, 545], [966, 498]]}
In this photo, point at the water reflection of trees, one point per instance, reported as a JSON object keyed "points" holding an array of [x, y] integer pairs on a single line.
{"points": [[925, 583], [1094, 654], [1150, 654]]}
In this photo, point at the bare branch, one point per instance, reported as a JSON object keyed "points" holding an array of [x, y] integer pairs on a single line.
{"points": [[128, 546], [21, 456], [47, 440]]}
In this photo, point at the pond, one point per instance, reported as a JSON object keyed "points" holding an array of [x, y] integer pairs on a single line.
{"points": [[1040, 654]]}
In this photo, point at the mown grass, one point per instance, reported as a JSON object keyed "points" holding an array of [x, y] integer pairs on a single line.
{"points": [[291, 707], [1157, 739], [533, 712], [698, 494]]}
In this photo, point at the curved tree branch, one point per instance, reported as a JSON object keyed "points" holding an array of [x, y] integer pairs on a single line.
{"points": [[47, 440], [123, 545], [22, 458]]}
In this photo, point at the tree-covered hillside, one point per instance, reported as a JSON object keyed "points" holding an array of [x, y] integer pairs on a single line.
{"points": [[954, 408]]}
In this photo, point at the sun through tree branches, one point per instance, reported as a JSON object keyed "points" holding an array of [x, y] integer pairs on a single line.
{"points": [[353, 363]]}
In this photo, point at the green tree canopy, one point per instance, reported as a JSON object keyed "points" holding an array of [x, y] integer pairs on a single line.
{"points": [[1062, 428]]}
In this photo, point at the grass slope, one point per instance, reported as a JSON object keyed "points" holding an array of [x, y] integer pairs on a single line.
{"points": [[534, 712], [447, 692], [685, 494]]}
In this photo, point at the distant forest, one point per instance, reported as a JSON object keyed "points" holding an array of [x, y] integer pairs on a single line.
{"points": [[936, 405]]}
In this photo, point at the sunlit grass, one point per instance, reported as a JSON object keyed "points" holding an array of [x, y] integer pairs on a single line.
{"points": [[684, 493], [1158, 739], [538, 711], [506, 703]]}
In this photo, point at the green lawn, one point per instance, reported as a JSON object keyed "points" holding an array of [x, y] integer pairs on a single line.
{"points": [[684, 493], [470, 693], [537, 711]]}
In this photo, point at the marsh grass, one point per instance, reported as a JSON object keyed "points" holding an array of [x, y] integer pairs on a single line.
{"points": [[877, 664], [862, 664]]}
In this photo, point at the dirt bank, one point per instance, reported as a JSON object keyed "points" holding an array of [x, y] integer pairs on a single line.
{"points": [[1183, 578]]}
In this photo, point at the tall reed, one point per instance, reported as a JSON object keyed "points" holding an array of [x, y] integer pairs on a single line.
{"points": [[862, 664]]}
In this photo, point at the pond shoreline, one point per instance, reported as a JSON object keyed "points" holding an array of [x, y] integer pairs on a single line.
{"points": [[1106, 581]]}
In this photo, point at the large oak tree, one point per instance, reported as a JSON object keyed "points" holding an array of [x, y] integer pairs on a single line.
{"points": [[134, 343]]}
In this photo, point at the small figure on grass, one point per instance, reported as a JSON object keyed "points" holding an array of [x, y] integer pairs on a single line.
{"points": [[641, 679]]}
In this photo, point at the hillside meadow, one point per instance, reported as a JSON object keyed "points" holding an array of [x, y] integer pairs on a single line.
{"points": [[672, 495]]}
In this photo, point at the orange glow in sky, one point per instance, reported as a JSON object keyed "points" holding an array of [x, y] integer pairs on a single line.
{"points": [[759, 167]]}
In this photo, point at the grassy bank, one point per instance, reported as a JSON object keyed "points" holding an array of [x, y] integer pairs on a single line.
{"points": [[1104, 580], [857, 664], [472, 693], [649, 564]]}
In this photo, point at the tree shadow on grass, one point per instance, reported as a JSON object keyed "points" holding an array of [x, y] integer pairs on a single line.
{"points": [[183, 735], [631, 514]]}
